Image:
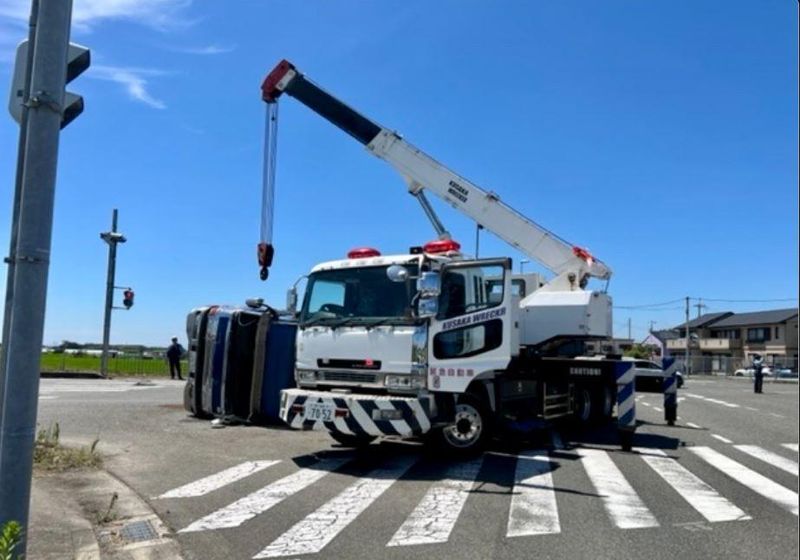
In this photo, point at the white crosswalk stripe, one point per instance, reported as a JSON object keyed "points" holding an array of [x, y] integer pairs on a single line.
{"points": [[750, 478], [533, 503], [258, 502], [218, 480], [792, 446], [51, 388], [533, 508], [626, 509], [700, 495], [436, 515], [769, 457], [314, 532]]}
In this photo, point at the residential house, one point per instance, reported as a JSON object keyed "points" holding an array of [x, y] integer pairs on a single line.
{"points": [[722, 342]]}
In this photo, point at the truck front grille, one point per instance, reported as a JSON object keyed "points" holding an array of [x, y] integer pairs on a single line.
{"points": [[347, 376]]}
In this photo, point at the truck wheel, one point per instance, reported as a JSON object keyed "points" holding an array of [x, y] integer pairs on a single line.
{"points": [[604, 404], [583, 405], [348, 440], [471, 430]]}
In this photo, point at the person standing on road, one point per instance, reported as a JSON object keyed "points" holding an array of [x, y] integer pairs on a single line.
{"points": [[758, 373], [174, 354]]}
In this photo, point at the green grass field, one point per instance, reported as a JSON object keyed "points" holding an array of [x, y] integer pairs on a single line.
{"points": [[122, 365]]}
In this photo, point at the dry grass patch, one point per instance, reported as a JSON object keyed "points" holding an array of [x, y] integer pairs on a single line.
{"points": [[50, 455]]}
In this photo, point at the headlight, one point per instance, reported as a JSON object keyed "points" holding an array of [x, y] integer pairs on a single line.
{"points": [[306, 375], [405, 382]]}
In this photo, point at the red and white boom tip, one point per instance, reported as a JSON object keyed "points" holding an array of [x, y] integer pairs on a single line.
{"points": [[273, 84]]}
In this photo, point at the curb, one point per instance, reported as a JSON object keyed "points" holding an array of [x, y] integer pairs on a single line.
{"points": [[70, 374]]}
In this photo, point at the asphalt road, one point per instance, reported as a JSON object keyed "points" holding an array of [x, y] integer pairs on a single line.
{"points": [[721, 483]]}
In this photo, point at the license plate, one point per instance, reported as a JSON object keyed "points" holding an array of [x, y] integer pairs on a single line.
{"points": [[319, 411]]}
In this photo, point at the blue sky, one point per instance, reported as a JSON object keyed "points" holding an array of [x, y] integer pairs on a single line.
{"points": [[662, 135]]}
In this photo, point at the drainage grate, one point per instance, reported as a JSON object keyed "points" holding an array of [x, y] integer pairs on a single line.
{"points": [[138, 531]]}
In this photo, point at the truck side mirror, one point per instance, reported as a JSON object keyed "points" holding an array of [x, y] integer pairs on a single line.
{"points": [[429, 285], [291, 300]]}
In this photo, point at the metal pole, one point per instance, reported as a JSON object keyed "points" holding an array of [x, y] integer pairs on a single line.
{"points": [[629, 329], [686, 350], [478, 229], [26, 327], [12, 250], [112, 265]]}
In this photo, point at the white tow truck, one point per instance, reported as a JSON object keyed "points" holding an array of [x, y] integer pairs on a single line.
{"points": [[432, 342]]}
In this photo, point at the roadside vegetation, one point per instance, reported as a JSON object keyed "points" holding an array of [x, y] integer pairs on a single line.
{"points": [[50, 456], [119, 365], [10, 537]]}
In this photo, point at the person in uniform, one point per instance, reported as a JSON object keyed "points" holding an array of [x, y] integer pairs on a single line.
{"points": [[758, 373], [174, 354]]}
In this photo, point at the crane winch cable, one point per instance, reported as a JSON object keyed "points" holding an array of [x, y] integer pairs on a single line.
{"points": [[265, 248]]}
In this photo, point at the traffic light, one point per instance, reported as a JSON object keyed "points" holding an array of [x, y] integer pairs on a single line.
{"points": [[78, 60], [127, 298]]}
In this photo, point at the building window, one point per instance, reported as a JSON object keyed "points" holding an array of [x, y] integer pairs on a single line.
{"points": [[760, 334], [777, 332]]}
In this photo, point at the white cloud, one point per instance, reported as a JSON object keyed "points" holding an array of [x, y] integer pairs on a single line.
{"points": [[132, 79], [154, 13], [207, 50]]}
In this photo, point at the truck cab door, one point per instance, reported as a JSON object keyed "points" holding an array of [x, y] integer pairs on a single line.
{"points": [[470, 335]]}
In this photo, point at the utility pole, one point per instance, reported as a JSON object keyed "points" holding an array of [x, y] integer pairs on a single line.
{"points": [[700, 306], [629, 329], [31, 263], [12, 250], [651, 325], [687, 353], [112, 238], [522, 264]]}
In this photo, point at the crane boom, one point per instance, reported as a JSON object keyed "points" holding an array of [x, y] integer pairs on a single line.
{"points": [[572, 265]]}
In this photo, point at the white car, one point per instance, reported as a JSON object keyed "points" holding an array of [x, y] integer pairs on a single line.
{"points": [[749, 372], [651, 370]]}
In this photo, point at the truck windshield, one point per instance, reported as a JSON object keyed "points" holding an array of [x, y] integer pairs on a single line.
{"points": [[357, 296]]}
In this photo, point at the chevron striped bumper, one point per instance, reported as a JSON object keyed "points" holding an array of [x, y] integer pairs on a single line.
{"points": [[355, 414]]}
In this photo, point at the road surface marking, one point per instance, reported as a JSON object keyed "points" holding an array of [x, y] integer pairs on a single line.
{"points": [[210, 483], [313, 533], [769, 457], [722, 439], [435, 516], [700, 495], [777, 415], [47, 397], [751, 408], [533, 503], [792, 446], [622, 503], [260, 501], [715, 401], [693, 425], [749, 478]]}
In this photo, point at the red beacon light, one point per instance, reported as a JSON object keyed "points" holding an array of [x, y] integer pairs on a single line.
{"points": [[363, 253], [442, 246]]}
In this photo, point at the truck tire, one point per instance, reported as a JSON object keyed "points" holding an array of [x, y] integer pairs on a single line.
{"points": [[583, 405], [471, 429], [348, 440], [604, 404]]}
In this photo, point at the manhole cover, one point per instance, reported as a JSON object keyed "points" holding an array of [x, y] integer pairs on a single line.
{"points": [[138, 531]]}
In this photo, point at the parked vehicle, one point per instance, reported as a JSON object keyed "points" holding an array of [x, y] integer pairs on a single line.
{"points": [[650, 376], [749, 371]]}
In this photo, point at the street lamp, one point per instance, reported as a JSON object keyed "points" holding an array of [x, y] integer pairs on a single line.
{"points": [[522, 263], [111, 238]]}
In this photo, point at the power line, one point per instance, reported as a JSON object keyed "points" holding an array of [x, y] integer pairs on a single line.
{"points": [[648, 304], [750, 300]]}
